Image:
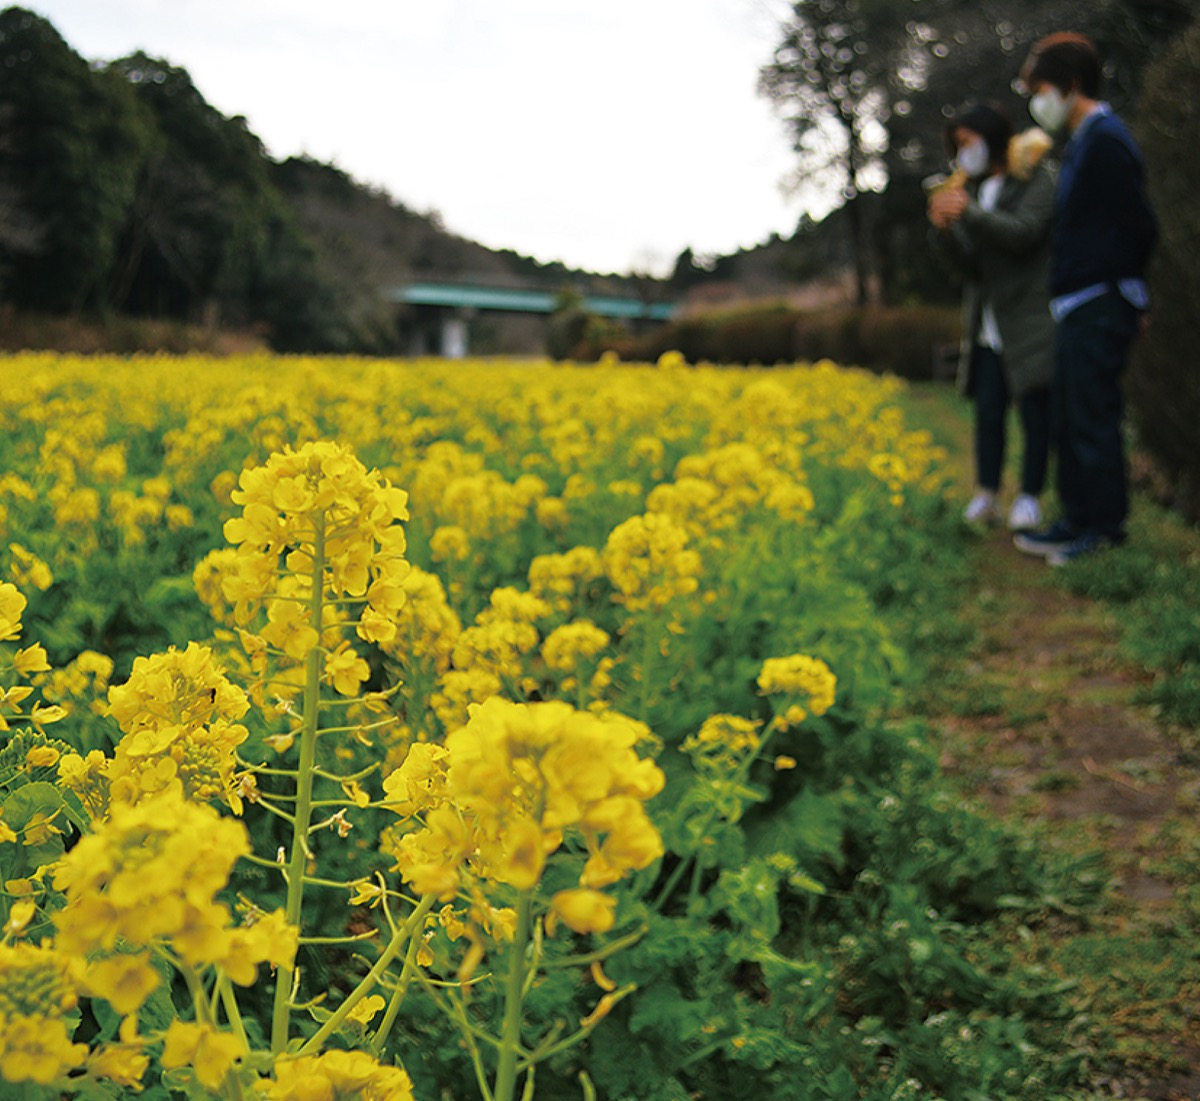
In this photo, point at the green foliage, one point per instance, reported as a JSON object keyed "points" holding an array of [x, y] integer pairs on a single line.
{"points": [[1154, 582], [77, 146], [900, 340], [1164, 392]]}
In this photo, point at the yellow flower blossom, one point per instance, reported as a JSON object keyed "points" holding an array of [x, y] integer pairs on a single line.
{"points": [[336, 1076], [20, 915], [178, 688], [124, 981], [345, 670], [799, 675], [285, 500], [583, 910], [426, 627], [208, 1051], [149, 874], [579, 640], [12, 606], [35, 994], [28, 569], [514, 779], [649, 562], [367, 1009], [125, 1064], [42, 756], [450, 543]]}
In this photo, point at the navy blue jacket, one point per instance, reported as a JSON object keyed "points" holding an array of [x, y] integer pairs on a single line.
{"points": [[1104, 229]]}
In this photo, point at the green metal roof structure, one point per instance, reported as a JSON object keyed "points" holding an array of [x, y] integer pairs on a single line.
{"points": [[515, 300]]}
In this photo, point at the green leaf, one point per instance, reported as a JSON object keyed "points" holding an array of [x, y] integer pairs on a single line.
{"points": [[808, 828]]}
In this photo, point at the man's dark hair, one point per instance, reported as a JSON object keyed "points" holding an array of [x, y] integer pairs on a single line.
{"points": [[1067, 61], [991, 122]]}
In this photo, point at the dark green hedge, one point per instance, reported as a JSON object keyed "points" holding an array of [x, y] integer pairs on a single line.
{"points": [[1164, 381], [906, 341]]}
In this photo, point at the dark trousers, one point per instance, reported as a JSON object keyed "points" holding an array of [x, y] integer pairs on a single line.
{"points": [[990, 389], [1091, 350]]}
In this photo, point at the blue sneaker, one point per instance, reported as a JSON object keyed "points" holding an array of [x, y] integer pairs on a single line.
{"points": [[1087, 544], [1057, 537]]}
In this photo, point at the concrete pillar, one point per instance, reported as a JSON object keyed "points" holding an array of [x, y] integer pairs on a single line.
{"points": [[454, 337]]}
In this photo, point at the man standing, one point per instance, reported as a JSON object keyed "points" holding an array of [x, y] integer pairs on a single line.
{"points": [[1103, 234]]}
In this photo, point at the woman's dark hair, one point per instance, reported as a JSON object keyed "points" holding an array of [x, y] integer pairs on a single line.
{"points": [[990, 122], [1066, 60]]}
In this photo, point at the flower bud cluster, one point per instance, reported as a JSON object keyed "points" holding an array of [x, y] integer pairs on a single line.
{"points": [[649, 562], [799, 675], [741, 477], [336, 1076], [178, 712], [490, 654], [501, 796], [563, 579], [317, 502], [427, 628], [148, 875], [36, 993], [24, 662]]}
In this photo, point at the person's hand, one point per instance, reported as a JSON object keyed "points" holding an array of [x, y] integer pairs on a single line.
{"points": [[947, 206]]}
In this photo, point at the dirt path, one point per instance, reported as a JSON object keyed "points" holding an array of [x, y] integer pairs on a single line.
{"points": [[1048, 725]]}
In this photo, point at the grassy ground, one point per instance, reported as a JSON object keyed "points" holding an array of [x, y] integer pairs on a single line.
{"points": [[1072, 712]]}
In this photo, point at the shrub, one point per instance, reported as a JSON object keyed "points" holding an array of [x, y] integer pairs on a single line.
{"points": [[1164, 388], [900, 340]]}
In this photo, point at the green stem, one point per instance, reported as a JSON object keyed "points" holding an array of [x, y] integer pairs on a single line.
{"points": [[232, 1012], [581, 1033], [739, 777], [201, 1008], [647, 664], [694, 886], [393, 1009], [348, 939], [406, 931], [298, 858], [510, 1033]]}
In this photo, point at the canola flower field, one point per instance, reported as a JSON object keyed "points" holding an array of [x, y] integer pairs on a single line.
{"points": [[431, 730]]}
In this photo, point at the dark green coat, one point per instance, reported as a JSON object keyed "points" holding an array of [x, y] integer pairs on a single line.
{"points": [[1004, 255]]}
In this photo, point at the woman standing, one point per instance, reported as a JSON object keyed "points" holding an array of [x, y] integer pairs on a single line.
{"points": [[996, 227]]}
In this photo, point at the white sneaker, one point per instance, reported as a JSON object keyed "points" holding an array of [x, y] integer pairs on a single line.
{"points": [[982, 509], [1025, 513]]}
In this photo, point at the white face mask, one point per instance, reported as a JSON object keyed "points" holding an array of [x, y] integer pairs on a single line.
{"points": [[973, 159], [1051, 109]]}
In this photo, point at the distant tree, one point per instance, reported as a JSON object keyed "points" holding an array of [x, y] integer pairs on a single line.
{"points": [[71, 149], [689, 271], [867, 85], [831, 77], [20, 231], [200, 226]]}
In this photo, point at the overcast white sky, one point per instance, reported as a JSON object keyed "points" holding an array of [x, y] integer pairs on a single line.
{"points": [[609, 134]]}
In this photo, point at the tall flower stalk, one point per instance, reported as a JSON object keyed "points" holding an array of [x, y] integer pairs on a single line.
{"points": [[494, 807], [298, 857], [320, 551]]}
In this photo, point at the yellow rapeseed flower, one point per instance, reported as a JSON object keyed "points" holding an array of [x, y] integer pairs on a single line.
{"points": [[799, 675], [207, 1050], [35, 995], [12, 605], [336, 1076], [514, 778]]}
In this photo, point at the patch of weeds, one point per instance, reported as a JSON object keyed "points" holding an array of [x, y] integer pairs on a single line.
{"points": [[1057, 779], [1154, 579], [1136, 992], [1028, 711], [969, 695]]}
